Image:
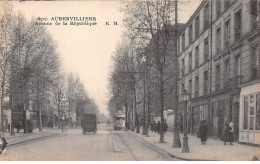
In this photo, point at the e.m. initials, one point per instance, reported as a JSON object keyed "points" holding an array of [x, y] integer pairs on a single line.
{"points": [[115, 23]]}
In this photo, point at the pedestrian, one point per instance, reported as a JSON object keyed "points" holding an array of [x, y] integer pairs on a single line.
{"points": [[231, 125], [165, 127], [226, 136], [158, 127], [203, 132]]}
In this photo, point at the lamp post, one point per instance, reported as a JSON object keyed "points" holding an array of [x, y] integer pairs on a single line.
{"points": [[185, 98]]}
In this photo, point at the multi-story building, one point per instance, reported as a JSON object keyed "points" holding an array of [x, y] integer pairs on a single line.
{"points": [[219, 57]]}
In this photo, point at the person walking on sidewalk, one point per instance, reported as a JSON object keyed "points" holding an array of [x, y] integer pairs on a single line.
{"points": [[158, 127], [203, 131], [231, 125], [153, 126], [226, 136]]}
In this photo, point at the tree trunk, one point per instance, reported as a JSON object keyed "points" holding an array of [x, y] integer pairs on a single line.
{"points": [[2, 104], [161, 105], [133, 116], [136, 115], [39, 108], [148, 114]]}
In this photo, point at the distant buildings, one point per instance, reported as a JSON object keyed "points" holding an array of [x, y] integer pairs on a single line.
{"points": [[219, 61]]}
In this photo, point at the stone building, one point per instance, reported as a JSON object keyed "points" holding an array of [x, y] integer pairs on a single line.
{"points": [[219, 56]]}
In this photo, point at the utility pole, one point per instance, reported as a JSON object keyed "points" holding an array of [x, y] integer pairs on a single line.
{"points": [[176, 139]]}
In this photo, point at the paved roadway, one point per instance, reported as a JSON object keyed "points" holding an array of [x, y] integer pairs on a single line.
{"points": [[106, 145]]}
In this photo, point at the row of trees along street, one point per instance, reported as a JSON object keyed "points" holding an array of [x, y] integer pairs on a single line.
{"points": [[145, 68], [31, 72]]}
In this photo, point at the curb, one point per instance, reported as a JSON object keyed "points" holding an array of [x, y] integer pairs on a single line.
{"points": [[170, 154], [34, 139]]}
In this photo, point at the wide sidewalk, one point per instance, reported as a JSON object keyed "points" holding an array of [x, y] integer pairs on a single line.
{"points": [[214, 149], [22, 138]]}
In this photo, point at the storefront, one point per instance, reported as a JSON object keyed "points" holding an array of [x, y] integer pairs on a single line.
{"points": [[249, 126]]}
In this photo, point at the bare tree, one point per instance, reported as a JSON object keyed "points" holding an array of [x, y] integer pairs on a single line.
{"points": [[148, 24]]}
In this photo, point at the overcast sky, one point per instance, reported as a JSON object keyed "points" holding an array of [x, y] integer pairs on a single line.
{"points": [[85, 50]]}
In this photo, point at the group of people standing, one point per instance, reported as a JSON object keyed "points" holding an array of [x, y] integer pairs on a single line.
{"points": [[202, 133], [155, 127], [227, 135]]}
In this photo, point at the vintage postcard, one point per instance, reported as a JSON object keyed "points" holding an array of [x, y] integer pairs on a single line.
{"points": [[121, 80]]}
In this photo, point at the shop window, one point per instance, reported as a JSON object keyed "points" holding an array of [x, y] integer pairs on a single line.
{"points": [[245, 112], [257, 119], [251, 117], [252, 112]]}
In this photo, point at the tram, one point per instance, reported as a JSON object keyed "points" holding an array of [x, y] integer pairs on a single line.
{"points": [[119, 121]]}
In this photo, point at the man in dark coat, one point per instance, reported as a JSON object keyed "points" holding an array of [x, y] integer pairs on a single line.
{"points": [[158, 127], [203, 131]]}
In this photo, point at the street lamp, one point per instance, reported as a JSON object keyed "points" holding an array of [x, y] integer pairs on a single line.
{"points": [[185, 99]]}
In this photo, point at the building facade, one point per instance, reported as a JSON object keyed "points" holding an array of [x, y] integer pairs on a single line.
{"points": [[219, 57]]}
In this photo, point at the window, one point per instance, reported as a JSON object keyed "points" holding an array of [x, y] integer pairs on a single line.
{"points": [[217, 79], [197, 56], [252, 111], [205, 84], [245, 112], [255, 12], [255, 62], [238, 25], [218, 40], [227, 33], [197, 26], [206, 50], [190, 34], [190, 61], [237, 69], [257, 122], [182, 87], [183, 67], [218, 8], [226, 70], [190, 87], [196, 86], [183, 41], [206, 16]]}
